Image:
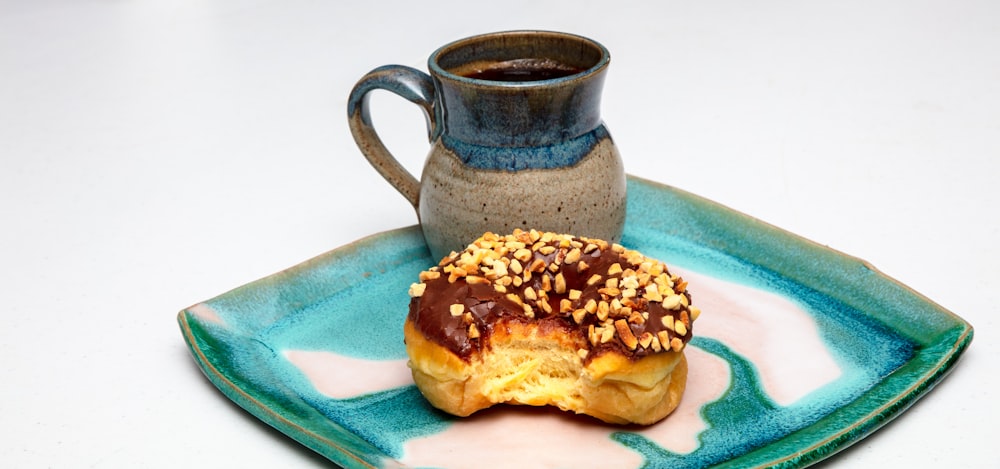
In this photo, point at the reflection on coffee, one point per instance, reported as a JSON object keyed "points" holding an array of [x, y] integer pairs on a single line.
{"points": [[519, 70]]}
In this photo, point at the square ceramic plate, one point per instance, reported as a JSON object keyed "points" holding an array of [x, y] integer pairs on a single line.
{"points": [[799, 352]]}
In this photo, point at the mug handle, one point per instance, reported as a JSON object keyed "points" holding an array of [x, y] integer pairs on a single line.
{"points": [[413, 85]]}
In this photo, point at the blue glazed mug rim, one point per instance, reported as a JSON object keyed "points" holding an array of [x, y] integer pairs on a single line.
{"points": [[441, 72]]}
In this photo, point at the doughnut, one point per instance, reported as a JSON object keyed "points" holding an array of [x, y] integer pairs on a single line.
{"points": [[545, 319]]}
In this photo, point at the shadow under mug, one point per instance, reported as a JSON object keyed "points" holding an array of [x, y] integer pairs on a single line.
{"points": [[516, 135]]}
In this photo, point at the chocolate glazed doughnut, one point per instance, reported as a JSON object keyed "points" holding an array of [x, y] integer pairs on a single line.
{"points": [[548, 319]]}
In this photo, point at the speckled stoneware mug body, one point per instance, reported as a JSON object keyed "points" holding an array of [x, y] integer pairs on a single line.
{"points": [[516, 137]]}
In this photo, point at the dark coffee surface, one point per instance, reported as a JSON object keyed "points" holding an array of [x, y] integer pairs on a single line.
{"points": [[520, 70]]}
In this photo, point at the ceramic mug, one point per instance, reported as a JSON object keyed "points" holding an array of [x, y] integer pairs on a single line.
{"points": [[517, 139]]}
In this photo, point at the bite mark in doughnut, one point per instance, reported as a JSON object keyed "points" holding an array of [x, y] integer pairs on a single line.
{"points": [[548, 319]]}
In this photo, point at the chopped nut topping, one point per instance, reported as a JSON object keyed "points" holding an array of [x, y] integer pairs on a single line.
{"points": [[664, 337], [530, 269], [672, 302], [546, 283], [636, 318], [514, 245], [429, 275], [633, 257], [573, 256], [645, 339], [515, 299], [625, 332], [475, 279], [523, 255], [603, 310], [676, 344], [499, 270], [560, 257], [417, 290], [644, 278], [655, 344], [607, 334], [609, 291], [560, 283], [652, 293], [668, 322]]}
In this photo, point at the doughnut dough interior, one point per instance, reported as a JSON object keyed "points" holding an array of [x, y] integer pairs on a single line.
{"points": [[537, 369]]}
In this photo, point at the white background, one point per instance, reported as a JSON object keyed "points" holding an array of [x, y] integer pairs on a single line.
{"points": [[154, 154]]}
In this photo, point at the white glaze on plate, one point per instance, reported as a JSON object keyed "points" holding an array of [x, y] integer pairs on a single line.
{"points": [[206, 313], [708, 380], [342, 377], [769, 330]]}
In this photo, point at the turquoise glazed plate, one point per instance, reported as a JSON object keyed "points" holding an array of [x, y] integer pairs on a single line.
{"points": [[799, 352]]}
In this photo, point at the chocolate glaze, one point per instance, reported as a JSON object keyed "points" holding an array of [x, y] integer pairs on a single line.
{"points": [[489, 308]]}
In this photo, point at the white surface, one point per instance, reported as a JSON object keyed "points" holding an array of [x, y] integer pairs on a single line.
{"points": [[154, 154]]}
